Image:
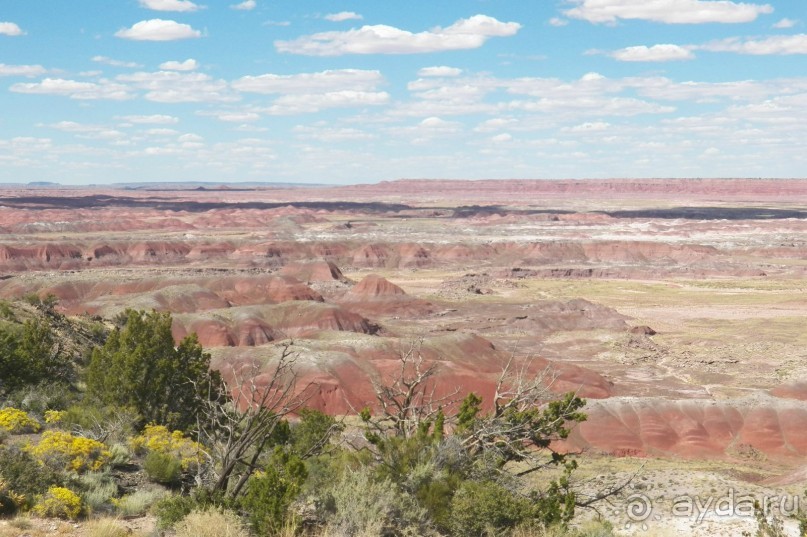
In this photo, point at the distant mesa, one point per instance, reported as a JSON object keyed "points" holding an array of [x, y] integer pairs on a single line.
{"points": [[316, 271], [373, 286]]}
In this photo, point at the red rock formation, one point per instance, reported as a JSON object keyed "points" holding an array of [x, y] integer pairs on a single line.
{"points": [[694, 428], [315, 271]]}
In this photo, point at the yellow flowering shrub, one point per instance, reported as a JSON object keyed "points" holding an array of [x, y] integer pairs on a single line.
{"points": [[16, 421], [158, 439], [54, 416], [59, 502], [62, 449]]}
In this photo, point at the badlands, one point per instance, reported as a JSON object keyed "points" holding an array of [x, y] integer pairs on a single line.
{"points": [[677, 308]]}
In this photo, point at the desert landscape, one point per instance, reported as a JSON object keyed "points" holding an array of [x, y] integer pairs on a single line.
{"points": [[676, 308]]}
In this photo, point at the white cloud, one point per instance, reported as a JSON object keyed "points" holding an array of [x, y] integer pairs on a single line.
{"points": [[656, 53], [75, 89], [21, 70], [440, 71], [557, 22], [324, 81], [596, 126], [158, 30], [502, 138], [667, 11], [188, 65], [155, 119], [785, 23], [170, 5], [233, 116], [246, 5], [277, 23], [302, 103], [331, 135], [343, 16], [115, 63], [92, 132], [381, 39], [10, 29], [779, 44], [179, 87]]}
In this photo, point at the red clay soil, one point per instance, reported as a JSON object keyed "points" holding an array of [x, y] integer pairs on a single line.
{"points": [[694, 428], [342, 379], [791, 390], [178, 295], [256, 325]]}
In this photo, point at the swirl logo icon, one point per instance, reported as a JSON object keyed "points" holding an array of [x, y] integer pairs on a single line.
{"points": [[639, 508]]}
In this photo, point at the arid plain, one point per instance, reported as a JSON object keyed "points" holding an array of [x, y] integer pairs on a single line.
{"points": [[676, 307]]}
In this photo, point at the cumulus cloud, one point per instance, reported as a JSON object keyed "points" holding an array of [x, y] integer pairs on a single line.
{"points": [[158, 30], [785, 24], [656, 53], [115, 63], [343, 16], [246, 5], [779, 45], [154, 119], [75, 89], [381, 39], [21, 70], [332, 80], [441, 70], [188, 65], [10, 29], [179, 87], [667, 11], [170, 5], [310, 103], [595, 126], [557, 22]]}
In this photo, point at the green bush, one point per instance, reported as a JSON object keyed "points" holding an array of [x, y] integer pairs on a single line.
{"points": [[99, 488], [171, 509], [165, 383], [163, 468], [138, 503], [25, 475], [115, 424], [270, 494], [29, 355], [364, 506], [312, 434], [482, 508], [211, 522]]}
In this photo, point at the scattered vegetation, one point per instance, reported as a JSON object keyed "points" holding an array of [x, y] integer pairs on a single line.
{"points": [[227, 456]]}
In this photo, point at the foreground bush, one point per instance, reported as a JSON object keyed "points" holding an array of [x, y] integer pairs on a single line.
{"points": [[370, 508], [15, 421], [25, 475], [487, 508], [59, 502], [165, 383], [59, 449], [211, 522], [163, 468], [270, 493]]}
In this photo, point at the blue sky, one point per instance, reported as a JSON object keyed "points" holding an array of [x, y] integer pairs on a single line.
{"points": [[364, 91]]}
